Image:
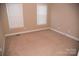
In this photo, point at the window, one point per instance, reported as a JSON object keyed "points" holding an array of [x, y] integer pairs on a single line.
{"points": [[41, 14], [15, 15]]}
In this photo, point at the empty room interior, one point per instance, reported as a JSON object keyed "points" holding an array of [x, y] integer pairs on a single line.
{"points": [[39, 29]]}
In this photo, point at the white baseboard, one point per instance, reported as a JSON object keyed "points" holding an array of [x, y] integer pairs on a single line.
{"points": [[65, 34], [6, 35]]}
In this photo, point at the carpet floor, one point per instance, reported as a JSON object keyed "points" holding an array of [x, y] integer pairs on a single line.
{"points": [[41, 43]]}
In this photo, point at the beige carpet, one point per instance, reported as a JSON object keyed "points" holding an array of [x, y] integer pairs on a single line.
{"points": [[42, 43]]}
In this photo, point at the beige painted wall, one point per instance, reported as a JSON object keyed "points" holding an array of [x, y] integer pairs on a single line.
{"points": [[2, 38], [4, 18], [65, 18], [62, 17], [30, 18]]}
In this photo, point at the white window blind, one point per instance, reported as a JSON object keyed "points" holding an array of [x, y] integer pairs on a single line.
{"points": [[15, 15], [41, 14]]}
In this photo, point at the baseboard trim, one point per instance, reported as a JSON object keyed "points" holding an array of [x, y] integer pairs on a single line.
{"points": [[65, 34], [6, 35]]}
